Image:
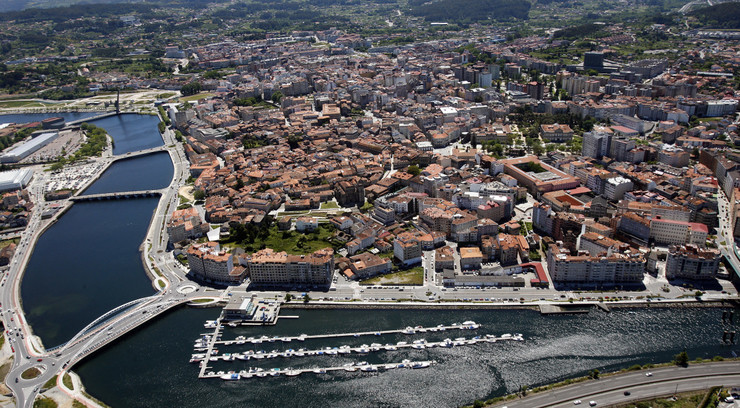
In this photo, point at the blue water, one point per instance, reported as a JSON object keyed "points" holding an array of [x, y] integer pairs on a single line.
{"points": [[89, 261], [131, 132], [84, 265], [35, 117], [150, 367], [150, 172]]}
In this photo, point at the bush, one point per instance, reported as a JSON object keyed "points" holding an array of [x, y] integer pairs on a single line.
{"points": [[681, 359]]}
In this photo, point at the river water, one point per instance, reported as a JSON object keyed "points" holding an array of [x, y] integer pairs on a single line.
{"points": [[88, 263], [34, 117], [150, 368]]}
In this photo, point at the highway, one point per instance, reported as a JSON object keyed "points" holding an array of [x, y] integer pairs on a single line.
{"points": [[610, 389]]}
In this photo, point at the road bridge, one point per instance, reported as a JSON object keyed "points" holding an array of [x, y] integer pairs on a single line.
{"points": [[138, 153], [90, 119], [117, 196]]}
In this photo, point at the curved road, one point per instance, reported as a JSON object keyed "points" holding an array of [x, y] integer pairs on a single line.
{"points": [[610, 390]]}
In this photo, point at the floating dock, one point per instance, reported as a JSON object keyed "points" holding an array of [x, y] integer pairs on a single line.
{"points": [[345, 350], [302, 337], [294, 372], [208, 342]]}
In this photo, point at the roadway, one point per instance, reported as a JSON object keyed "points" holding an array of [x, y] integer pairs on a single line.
{"points": [[725, 237], [610, 390]]}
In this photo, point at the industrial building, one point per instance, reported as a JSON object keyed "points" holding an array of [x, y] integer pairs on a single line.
{"points": [[15, 179], [24, 150]]}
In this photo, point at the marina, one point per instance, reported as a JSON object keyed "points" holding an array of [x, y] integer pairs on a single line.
{"points": [[206, 351], [362, 367], [468, 325], [344, 350]]}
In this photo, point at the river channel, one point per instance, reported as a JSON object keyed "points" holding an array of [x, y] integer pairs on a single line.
{"points": [[88, 263]]}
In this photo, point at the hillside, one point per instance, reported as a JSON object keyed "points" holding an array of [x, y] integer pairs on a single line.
{"points": [[726, 15], [472, 10]]}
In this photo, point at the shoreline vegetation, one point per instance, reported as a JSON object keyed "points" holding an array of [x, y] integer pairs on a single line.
{"points": [[595, 375]]}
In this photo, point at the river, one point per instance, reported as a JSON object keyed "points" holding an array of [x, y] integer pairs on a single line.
{"points": [[150, 368], [88, 263]]}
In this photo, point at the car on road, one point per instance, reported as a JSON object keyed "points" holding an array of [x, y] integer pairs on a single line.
{"points": [[577, 402], [627, 393], [592, 403], [648, 374]]}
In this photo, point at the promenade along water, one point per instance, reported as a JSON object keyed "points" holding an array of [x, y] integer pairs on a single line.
{"points": [[89, 261], [150, 368]]}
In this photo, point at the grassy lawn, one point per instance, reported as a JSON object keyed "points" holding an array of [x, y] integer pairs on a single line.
{"points": [[292, 242], [201, 301], [51, 383], [44, 402], [196, 97], [32, 372], [688, 400], [67, 381], [413, 276], [5, 368], [23, 104], [329, 205]]}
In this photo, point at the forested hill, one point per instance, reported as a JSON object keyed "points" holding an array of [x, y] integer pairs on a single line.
{"points": [[725, 15], [471, 10]]}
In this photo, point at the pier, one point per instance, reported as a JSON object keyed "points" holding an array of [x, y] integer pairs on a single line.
{"points": [[209, 350], [345, 350], [408, 330], [293, 372]]}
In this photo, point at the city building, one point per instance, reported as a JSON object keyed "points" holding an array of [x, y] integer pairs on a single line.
{"points": [[407, 247], [208, 262], [269, 268], [602, 270], [692, 262]]}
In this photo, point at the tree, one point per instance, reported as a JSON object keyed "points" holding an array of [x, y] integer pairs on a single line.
{"points": [[288, 297], [199, 194], [681, 359], [191, 88], [306, 298], [277, 96], [478, 404], [414, 170], [594, 374]]}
